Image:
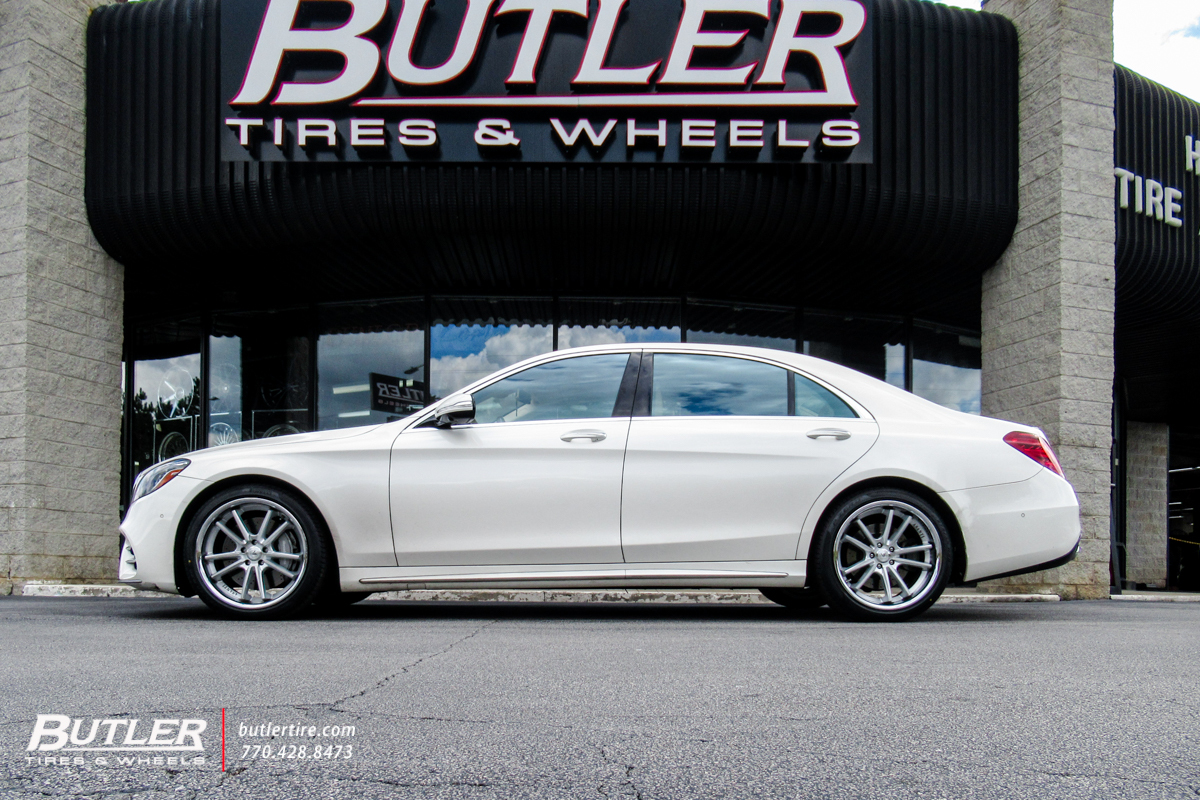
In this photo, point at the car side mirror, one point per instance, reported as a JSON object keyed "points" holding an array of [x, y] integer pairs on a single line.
{"points": [[458, 409]]}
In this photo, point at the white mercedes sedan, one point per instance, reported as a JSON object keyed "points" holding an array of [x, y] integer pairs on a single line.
{"points": [[632, 466]]}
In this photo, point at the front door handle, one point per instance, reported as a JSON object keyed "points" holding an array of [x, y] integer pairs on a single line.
{"points": [[589, 434], [832, 433]]}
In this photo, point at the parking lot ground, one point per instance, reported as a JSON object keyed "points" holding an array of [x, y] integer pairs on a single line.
{"points": [[565, 700]]}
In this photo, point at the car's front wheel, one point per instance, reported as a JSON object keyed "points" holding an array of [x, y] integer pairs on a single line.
{"points": [[883, 555], [256, 552]]}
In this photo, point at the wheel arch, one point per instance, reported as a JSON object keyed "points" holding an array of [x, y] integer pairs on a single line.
{"points": [[959, 568], [183, 580]]}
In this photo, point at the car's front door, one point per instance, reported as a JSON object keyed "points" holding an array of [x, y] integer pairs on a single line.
{"points": [[727, 455], [536, 479]]}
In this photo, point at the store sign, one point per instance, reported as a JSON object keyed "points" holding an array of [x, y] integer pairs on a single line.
{"points": [[1146, 196], [393, 395], [547, 80]]}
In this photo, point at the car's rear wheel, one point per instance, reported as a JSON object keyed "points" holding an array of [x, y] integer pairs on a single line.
{"points": [[256, 552], [883, 555], [795, 599]]}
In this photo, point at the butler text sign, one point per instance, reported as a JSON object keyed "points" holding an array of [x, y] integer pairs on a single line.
{"points": [[547, 80]]}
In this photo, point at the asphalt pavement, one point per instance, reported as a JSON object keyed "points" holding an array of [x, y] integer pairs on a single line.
{"points": [[559, 700]]}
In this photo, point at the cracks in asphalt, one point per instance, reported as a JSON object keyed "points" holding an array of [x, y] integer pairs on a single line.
{"points": [[1106, 776], [627, 782], [426, 784], [405, 669]]}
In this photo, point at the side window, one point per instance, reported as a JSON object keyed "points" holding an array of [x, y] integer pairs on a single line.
{"points": [[814, 400], [692, 385], [696, 385], [573, 388]]}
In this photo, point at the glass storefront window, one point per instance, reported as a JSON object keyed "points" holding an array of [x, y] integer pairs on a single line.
{"points": [[166, 409], [162, 397], [871, 345], [470, 338], [590, 322], [259, 372], [358, 340], [947, 368], [224, 390], [744, 325]]}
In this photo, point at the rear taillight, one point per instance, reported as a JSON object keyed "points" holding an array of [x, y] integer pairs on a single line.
{"points": [[1036, 448]]}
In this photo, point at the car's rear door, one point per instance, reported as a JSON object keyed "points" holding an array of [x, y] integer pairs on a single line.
{"points": [[726, 456], [535, 480]]}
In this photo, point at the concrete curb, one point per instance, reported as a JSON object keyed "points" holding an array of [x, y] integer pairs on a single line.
{"points": [[724, 597], [49, 589], [1156, 597]]}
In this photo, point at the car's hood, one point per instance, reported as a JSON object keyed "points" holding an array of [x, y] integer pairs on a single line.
{"points": [[287, 441]]}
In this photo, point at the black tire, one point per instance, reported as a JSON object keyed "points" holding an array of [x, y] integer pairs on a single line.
{"points": [[856, 570], [795, 599], [275, 572]]}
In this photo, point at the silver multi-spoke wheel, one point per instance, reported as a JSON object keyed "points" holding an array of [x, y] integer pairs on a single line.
{"points": [[888, 555], [252, 553]]}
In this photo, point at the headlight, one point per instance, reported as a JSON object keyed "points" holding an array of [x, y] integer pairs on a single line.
{"points": [[156, 477]]}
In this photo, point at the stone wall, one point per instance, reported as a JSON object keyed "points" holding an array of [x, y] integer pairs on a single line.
{"points": [[1047, 315], [1147, 448], [60, 312]]}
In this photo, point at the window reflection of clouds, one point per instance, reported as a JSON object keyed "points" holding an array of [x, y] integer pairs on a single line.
{"points": [[158, 379], [894, 357], [462, 354], [686, 385], [575, 388], [946, 368], [959, 388], [586, 336]]}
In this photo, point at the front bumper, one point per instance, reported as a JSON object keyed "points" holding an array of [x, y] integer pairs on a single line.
{"points": [[148, 535]]}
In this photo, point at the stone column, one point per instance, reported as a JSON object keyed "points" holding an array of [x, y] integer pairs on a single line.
{"points": [[1047, 314], [1147, 448], [60, 313]]}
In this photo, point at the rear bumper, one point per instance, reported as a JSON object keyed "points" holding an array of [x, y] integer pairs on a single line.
{"points": [[1015, 528], [1057, 562]]}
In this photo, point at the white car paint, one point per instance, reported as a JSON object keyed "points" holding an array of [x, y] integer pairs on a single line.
{"points": [[409, 506], [509, 493], [728, 488]]}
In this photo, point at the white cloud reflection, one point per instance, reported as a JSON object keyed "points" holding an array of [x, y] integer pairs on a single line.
{"points": [[518, 342], [959, 388]]}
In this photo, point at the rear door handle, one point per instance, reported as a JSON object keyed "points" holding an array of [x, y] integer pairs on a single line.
{"points": [[832, 433], [589, 434]]}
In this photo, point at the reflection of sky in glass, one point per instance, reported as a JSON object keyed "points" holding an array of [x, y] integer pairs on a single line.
{"points": [[894, 355], [462, 354], [345, 362], [224, 375], [585, 336], [687, 385], [959, 388], [166, 378], [225, 390], [168, 411], [572, 388]]}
